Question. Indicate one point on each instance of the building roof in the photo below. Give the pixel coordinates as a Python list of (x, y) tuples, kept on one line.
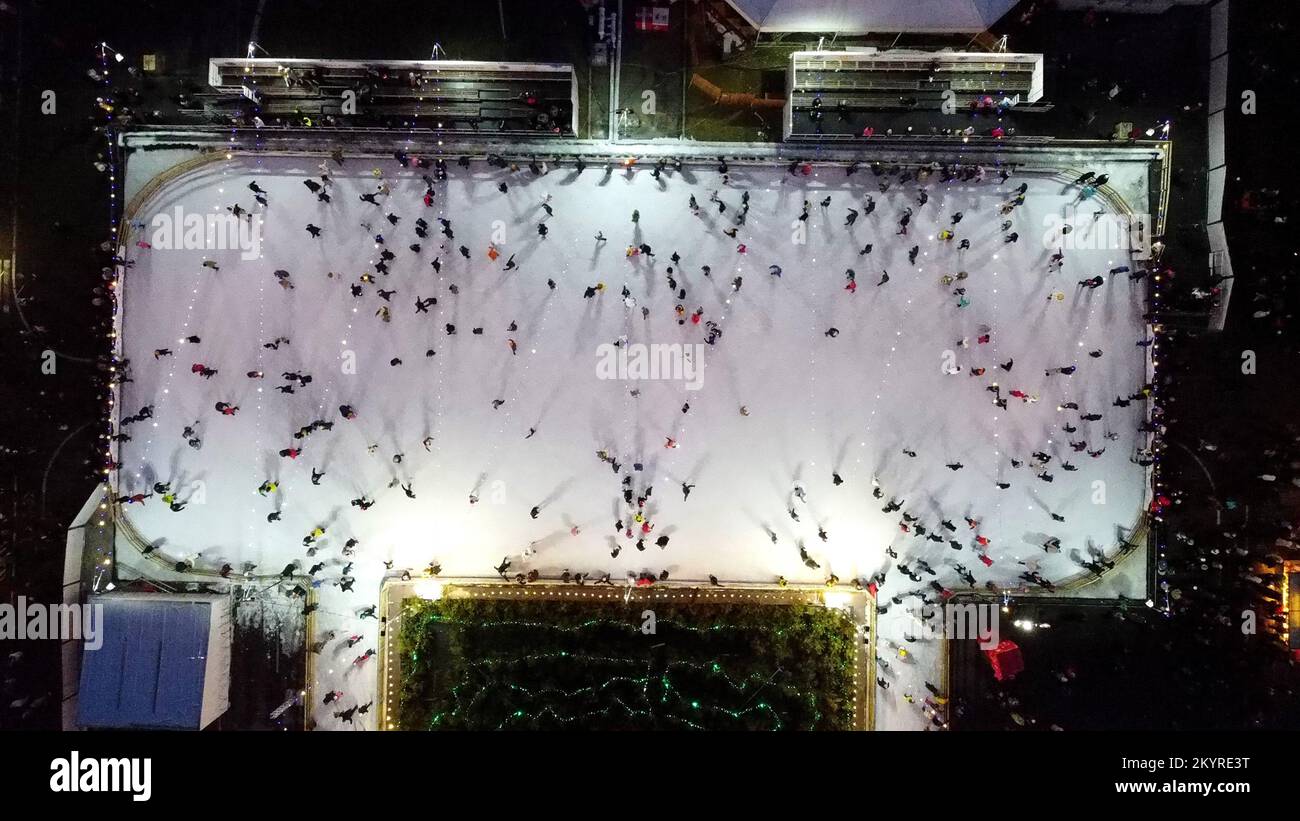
[(150, 671), (861, 16)]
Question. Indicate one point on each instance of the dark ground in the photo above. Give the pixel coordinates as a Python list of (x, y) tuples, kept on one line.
[(268, 663)]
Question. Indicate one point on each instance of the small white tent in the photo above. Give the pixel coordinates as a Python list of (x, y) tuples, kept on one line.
[(865, 16)]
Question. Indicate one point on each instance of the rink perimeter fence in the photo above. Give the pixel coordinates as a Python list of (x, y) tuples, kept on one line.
[(1056, 158)]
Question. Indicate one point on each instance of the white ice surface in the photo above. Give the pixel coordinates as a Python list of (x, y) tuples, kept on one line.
[(816, 404)]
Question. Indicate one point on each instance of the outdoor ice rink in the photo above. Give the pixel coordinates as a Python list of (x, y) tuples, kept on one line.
[(814, 405)]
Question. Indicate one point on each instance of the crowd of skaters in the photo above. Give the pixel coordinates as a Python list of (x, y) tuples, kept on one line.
[(394, 229)]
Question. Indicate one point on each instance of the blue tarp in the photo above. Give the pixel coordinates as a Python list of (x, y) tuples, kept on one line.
[(149, 673)]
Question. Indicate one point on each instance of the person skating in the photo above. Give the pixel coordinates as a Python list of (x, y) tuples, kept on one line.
[(346, 715)]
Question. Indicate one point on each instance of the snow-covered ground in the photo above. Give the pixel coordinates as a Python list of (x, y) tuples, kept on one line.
[(814, 405)]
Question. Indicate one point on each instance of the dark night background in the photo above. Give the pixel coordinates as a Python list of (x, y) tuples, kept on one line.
[(1096, 668)]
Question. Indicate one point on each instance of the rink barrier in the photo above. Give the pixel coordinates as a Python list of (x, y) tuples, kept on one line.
[(214, 155), (151, 188), (766, 155), (602, 151), (378, 142), (198, 575)]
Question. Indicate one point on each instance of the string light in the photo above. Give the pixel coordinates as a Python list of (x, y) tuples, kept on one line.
[(513, 689)]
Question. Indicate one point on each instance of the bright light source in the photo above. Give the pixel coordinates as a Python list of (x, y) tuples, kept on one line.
[(837, 600), (428, 589)]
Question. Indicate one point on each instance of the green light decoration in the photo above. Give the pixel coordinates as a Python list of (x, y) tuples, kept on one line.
[(511, 664)]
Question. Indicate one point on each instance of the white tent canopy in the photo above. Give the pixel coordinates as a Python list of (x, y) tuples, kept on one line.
[(863, 16)]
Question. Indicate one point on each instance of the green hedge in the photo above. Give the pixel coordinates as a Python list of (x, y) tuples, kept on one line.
[(476, 664)]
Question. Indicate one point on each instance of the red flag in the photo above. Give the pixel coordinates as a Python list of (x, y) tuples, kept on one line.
[(1005, 660)]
